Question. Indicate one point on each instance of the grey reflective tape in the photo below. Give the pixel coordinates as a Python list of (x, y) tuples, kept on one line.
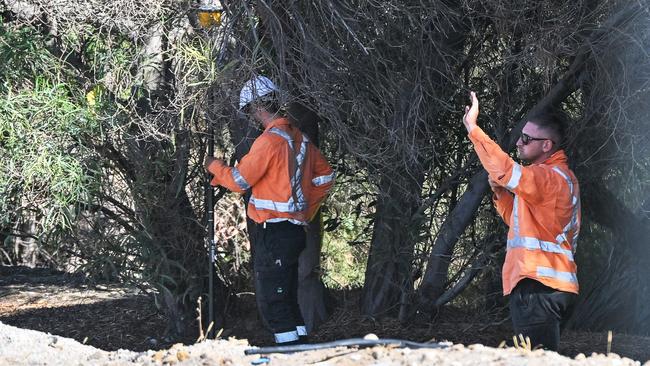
[(281, 219), (302, 330), (565, 231), (296, 180), (301, 198), (241, 182), (515, 177), (289, 206), (272, 205), (558, 275), (284, 337), (576, 226), (323, 179), (515, 216), (283, 134), (303, 152), (573, 223), (536, 244)]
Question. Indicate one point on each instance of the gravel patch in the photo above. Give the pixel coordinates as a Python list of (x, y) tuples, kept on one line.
[(28, 347)]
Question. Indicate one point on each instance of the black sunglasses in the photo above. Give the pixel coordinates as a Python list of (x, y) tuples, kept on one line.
[(525, 139)]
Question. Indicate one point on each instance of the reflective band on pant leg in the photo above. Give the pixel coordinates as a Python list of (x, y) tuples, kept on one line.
[(284, 337), (302, 330)]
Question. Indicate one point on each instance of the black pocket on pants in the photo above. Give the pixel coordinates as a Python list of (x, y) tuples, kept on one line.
[(276, 297)]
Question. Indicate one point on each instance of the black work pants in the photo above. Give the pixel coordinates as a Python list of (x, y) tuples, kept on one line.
[(277, 249), (537, 311)]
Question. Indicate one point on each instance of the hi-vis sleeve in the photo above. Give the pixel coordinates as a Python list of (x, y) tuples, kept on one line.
[(250, 170), (532, 183)]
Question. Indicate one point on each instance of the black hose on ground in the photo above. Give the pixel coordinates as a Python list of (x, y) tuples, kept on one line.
[(352, 342)]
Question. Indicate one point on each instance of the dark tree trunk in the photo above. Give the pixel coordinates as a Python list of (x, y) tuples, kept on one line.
[(170, 225), (388, 280), (435, 277), (174, 229), (388, 284), (25, 247), (311, 290)]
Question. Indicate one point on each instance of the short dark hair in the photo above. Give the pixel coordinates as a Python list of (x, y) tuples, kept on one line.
[(554, 121)]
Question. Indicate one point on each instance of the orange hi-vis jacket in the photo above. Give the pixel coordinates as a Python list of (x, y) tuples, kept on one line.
[(288, 175), (541, 205)]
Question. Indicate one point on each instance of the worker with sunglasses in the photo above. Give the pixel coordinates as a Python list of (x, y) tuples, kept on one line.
[(540, 202)]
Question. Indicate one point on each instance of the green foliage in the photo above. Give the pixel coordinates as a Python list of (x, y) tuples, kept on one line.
[(344, 265), (48, 173), (23, 57), (347, 224), (45, 161), (111, 59)]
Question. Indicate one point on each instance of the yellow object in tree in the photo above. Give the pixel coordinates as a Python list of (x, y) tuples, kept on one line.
[(91, 98), (209, 16), (216, 17)]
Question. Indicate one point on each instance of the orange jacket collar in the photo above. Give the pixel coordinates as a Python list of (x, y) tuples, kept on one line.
[(282, 121), (558, 158)]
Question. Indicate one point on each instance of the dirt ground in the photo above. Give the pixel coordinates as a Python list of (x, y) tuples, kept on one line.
[(111, 317)]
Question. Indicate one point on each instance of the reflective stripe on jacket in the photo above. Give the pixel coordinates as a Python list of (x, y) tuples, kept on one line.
[(541, 205), (288, 175)]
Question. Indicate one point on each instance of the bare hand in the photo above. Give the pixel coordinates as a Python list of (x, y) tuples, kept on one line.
[(471, 113), (209, 160), (493, 184)]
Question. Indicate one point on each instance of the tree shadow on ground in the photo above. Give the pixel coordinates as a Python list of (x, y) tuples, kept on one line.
[(130, 323), (23, 275)]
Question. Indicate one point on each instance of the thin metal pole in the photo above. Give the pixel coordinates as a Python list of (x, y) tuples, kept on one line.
[(210, 197), (209, 210)]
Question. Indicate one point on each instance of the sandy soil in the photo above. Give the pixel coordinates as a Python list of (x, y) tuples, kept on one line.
[(28, 347)]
